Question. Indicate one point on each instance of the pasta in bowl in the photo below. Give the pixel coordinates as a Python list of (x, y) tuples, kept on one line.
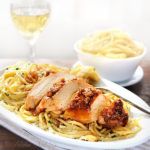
[(111, 48), (112, 44), (39, 94)]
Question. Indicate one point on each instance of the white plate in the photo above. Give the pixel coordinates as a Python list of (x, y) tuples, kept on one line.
[(137, 76), (73, 144)]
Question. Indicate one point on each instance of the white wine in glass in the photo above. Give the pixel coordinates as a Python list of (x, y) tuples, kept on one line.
[(30, 18)]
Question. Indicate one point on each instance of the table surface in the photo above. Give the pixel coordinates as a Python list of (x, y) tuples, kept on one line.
[(10, 141)]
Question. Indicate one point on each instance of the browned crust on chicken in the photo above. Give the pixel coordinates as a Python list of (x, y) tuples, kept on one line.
[(47, 73), (56, 87), (84, 99), (113, 115)]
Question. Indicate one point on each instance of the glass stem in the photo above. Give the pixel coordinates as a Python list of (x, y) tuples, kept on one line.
[(32, 50)]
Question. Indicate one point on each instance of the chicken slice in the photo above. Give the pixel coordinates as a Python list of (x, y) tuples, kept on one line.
[(40, 89), (113, 115), (62, 98), (86, 105)]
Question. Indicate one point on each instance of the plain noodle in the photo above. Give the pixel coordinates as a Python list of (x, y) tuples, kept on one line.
[(112, 44)]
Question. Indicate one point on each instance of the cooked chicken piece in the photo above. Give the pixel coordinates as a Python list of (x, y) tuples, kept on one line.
[(40, 89), (59, 96), (113, 115), (46, 101), (85, 105), (63, 97), (75, 99)]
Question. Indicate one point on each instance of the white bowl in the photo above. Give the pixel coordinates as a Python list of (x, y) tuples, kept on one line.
[(116, 70)]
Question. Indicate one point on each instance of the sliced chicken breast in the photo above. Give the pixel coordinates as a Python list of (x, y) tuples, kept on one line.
[(60, 100), (40, 89), (75, 99), (85, 105)]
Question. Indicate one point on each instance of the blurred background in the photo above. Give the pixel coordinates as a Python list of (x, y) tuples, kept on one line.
[(72, 19)]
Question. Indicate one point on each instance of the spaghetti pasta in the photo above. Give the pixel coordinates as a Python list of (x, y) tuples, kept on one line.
[(112, 44), (18, 80)]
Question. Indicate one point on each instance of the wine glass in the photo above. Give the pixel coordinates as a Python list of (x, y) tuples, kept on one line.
[(30, 18)]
